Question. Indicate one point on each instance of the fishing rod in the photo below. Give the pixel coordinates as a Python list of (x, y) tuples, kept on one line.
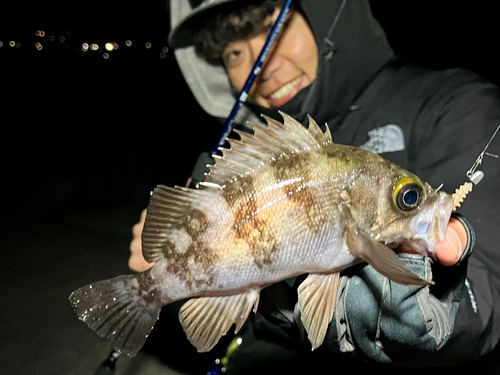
[(109, 364), (257, 67)]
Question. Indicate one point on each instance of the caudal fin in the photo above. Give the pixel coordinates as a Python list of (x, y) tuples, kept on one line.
[(118, 311)]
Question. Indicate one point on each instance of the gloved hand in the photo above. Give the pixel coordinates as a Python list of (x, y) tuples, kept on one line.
[(389, 322)]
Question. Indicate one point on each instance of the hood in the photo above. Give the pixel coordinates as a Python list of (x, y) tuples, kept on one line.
[(352, 49)]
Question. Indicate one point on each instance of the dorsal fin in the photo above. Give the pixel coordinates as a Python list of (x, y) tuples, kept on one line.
[(267, 143), (317, 133)]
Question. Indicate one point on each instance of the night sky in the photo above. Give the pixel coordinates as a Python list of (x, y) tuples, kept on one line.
[(93, 127)]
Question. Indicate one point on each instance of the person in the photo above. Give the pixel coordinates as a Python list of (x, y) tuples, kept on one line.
[(333, 61)]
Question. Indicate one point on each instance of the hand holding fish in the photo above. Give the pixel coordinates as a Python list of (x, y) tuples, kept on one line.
[(448, 252)]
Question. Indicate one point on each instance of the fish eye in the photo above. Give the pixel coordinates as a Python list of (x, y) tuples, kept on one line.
[(408, 194)]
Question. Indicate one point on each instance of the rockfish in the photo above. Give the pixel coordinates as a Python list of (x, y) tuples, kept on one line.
[(280, 202)]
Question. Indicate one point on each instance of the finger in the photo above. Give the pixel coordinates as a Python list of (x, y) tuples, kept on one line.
[(449, 251), (138, 264), (137, 229), (136, 246)]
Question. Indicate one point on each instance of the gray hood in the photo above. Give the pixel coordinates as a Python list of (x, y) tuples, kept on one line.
[(209, 84)]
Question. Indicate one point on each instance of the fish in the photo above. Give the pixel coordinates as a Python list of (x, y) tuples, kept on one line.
[(281, 201)]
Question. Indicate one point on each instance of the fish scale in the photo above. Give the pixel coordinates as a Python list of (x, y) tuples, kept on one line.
[(280, 202)]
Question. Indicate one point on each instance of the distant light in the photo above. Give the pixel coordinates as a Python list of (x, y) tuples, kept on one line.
[(85, 47), (38, 46), (94, 47), (165, 49), (148, 45), (163, 55), (1, 44), (12, 43), (51, 38), (109, 46), (128, 43), (105, 55), (62, 39)]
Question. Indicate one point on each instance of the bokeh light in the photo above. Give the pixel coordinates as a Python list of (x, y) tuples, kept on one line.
[(102, 46)]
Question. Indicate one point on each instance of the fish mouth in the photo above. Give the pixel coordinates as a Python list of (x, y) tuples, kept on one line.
[(429, 226), (285, 92)]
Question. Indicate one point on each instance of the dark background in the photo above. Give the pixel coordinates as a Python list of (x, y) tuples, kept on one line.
[(84, 140)]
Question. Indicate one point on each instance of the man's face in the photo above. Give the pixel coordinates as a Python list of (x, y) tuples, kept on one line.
[(290, 66)]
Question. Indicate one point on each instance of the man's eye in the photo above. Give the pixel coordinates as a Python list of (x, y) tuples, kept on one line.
[(232, 57)]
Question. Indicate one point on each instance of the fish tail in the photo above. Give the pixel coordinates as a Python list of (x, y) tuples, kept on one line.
[(119, 310)]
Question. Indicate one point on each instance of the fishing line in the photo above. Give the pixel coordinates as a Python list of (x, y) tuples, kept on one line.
[(476, 177), (228, 125)]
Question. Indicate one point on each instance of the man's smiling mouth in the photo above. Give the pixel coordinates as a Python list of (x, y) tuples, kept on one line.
[(285, 92)]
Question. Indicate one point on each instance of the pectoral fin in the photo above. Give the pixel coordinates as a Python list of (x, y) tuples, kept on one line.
[(206, 319), (317, 295), (382, 258)]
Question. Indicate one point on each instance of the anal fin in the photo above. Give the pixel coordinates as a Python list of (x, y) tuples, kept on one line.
[(206, 319), (382, 258), (317, 295)]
